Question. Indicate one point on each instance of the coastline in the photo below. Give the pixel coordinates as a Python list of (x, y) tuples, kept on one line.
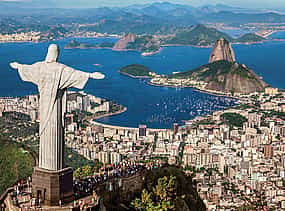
[(215, 94), (269, 33), (181, 45), (233, 43), (109, 48), (68, 48), (142, 53), (111, 114), (197, 90), (152, 52), (133, 76), (92, 118), (267, 39), (126, 128), (251, 43)]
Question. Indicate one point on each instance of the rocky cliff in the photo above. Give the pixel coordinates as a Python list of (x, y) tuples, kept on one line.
[(124, 42), (222, 51), (142, 43), (228, 76), (225, 76)]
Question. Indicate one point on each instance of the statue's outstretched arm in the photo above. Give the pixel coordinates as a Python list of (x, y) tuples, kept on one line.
[(76, 78), (15, 65), (29, 73), (97, 75)]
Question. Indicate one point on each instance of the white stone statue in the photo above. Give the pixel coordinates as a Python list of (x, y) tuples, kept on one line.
[(53, 79)]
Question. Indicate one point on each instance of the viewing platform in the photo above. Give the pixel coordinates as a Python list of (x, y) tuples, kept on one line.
[(91, 193)]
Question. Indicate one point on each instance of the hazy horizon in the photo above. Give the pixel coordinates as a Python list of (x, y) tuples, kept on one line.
[(258, 4)]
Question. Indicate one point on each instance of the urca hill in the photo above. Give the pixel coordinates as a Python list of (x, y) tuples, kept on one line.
[(224, 74)]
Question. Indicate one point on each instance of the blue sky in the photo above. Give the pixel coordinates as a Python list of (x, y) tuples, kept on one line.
[(99, 3)]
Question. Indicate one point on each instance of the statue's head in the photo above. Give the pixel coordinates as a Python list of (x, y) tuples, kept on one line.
[(53, 53)]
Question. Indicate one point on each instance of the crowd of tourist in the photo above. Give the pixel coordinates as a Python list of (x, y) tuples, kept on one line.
[(83, 187), (86, 186)]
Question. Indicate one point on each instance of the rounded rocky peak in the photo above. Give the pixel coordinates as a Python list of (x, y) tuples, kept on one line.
[(223, 40), (222, 51)]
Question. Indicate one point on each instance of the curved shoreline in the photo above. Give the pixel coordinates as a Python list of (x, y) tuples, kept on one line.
[(127, 128), (92, 121), (197, 90), (133, 76), (152, 52), (83, 48), (210, 46), (111, 114)]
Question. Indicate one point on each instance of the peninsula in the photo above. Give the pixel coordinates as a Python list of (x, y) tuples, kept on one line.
[(146, 44), (220, 76), (223, 75)]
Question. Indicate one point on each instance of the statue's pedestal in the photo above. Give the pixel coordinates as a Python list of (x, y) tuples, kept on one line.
[(53, 186)]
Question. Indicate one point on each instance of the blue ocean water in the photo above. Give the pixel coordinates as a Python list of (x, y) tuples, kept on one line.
[(158, 107), (235, 33)]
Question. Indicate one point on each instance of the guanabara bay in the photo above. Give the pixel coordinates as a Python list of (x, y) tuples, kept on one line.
[(142, 105)]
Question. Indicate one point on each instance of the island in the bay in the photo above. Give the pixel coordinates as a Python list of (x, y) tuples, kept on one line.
[(200, 36), (137, 71), (223, 75), (146, 44)]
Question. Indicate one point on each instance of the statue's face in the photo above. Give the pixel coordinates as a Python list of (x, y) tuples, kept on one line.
[(53, 53)]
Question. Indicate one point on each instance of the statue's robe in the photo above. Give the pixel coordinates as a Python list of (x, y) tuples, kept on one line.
[(52, 80)]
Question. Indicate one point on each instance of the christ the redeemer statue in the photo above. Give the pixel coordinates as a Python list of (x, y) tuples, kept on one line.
[(53, 79)]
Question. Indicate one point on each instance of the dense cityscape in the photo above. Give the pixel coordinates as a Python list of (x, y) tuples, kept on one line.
[(235, 156)]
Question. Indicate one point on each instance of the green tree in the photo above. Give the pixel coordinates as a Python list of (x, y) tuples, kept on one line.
[(145, 202), (78, 173), (162, 198), (15, 164), (97, 166), (234, 119), (87, 171)]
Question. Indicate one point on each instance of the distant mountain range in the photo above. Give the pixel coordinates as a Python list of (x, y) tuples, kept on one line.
[(156, 18), (199, 35)]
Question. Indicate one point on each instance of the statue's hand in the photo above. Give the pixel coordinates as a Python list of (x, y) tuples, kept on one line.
[(97, 75), (15, 65)]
